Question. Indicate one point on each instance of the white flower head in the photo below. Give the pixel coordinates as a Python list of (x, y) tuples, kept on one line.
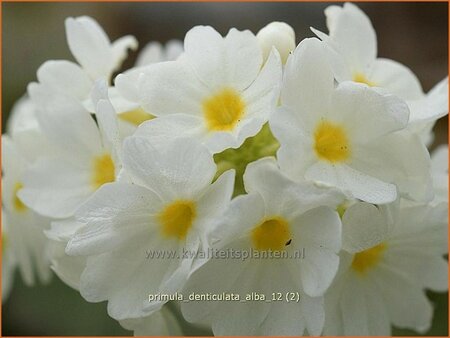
[(218, 91), (169, 206), (87, 155), (279, 35), (277, 215), (391, 254), (349, 136)]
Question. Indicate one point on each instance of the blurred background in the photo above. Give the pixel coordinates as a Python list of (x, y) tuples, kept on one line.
[(415, 34)]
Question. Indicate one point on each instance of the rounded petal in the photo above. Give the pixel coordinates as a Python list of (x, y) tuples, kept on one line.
[(171, 88), (55, 188), (352, 34), (113, 216), (231, 61), (308, 82), (363, 227), (396, 78), (90, 46), (179, 170), (361, 185), (67, 76)]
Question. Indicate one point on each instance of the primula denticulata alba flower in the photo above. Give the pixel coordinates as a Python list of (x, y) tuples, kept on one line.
[(348, 136), (170, 204), (389, 257), (218, 91), (354, 44), (281, 216), (286, 188)]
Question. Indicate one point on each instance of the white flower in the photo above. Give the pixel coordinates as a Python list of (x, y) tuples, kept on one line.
[(170, 205), (279, 35), (216, 92), (86, 155), (283, 217), (349, 136), (354, 42), (390, 256), (160, 323)]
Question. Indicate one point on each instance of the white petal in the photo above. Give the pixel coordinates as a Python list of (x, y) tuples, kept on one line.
[(113, 216), (180, 170), (288, 129), (90, 46), (216, 198), (67, 268), (171, 88), (407, 305), (231, 61), (363, 227), (216, 276), (352, 34), (308, 82), (66, 123), (161, 323), (320, 264), (281, 195), (106, 118), (361, 185), (365, 113), (165, 129), (433, 106), (119, 49), (399, 158), (55, 188), (262, 95), (396, 78), (67, 76)]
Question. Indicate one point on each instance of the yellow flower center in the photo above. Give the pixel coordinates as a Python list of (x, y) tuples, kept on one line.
[(136, 116), (367, 259), (331, 142), (361, 78), (272, 234), (176, 219), (103, 171), (17, 203), (223, 110)]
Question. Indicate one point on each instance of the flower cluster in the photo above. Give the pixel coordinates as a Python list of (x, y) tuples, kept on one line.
[(246, 143)]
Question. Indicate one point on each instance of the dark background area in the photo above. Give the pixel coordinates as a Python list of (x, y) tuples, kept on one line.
[(415, 34)]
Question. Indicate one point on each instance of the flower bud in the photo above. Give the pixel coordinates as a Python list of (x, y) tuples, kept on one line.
[(279, 35)]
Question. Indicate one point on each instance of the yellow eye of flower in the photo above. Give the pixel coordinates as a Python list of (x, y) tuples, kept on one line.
[(136, 116), (361, 78), (17, 203), (223, 110), (272, 234), (367, 259), (103, 171), (177, 218), (331, 142)]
